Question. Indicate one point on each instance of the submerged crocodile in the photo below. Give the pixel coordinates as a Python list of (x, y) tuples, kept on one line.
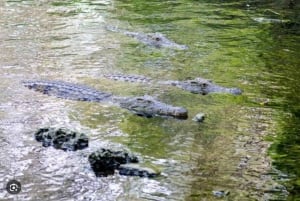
[(145, 106), (157, 40), (198, 85)]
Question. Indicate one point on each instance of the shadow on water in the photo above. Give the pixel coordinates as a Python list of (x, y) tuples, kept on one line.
[(284, 72), (281, 57), (285, 151)]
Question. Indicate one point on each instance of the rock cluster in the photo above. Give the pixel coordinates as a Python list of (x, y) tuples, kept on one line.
[(62, 138), (103, 162)]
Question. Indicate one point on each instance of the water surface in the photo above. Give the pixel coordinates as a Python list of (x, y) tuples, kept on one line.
[(248, 144)]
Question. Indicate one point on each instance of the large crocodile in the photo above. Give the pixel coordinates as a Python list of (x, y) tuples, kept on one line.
[(198, 85), (143, 106), (157, 40)]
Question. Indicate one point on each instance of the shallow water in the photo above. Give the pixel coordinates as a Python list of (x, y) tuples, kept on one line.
[(230, 151)]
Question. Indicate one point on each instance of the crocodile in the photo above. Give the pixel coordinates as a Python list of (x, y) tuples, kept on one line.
[(145, 106), (157, 40), (198, 85)]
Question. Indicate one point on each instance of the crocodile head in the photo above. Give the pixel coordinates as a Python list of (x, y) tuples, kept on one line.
[(147, 106), (159, 40), (204, 86)]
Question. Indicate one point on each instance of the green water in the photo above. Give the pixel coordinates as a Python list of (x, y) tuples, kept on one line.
[(229, 46), (248, 145)]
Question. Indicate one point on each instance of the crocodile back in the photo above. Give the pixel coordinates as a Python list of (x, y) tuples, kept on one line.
[(129, 78), (67, 90)]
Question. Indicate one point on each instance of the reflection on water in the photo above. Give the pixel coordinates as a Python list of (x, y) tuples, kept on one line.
[(67, 40)]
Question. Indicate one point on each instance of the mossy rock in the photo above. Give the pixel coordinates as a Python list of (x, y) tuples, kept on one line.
[(104, 161), (61, 138)]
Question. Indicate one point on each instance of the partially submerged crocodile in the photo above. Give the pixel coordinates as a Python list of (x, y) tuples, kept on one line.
[(198, 85), (143, 106), (157, 40)]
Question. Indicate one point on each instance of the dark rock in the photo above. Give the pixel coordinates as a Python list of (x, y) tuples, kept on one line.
[(61, 138), (137, 170), (104, 162)]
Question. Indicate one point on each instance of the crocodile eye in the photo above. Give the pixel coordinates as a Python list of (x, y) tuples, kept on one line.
[(204, 84), (157, 38)]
